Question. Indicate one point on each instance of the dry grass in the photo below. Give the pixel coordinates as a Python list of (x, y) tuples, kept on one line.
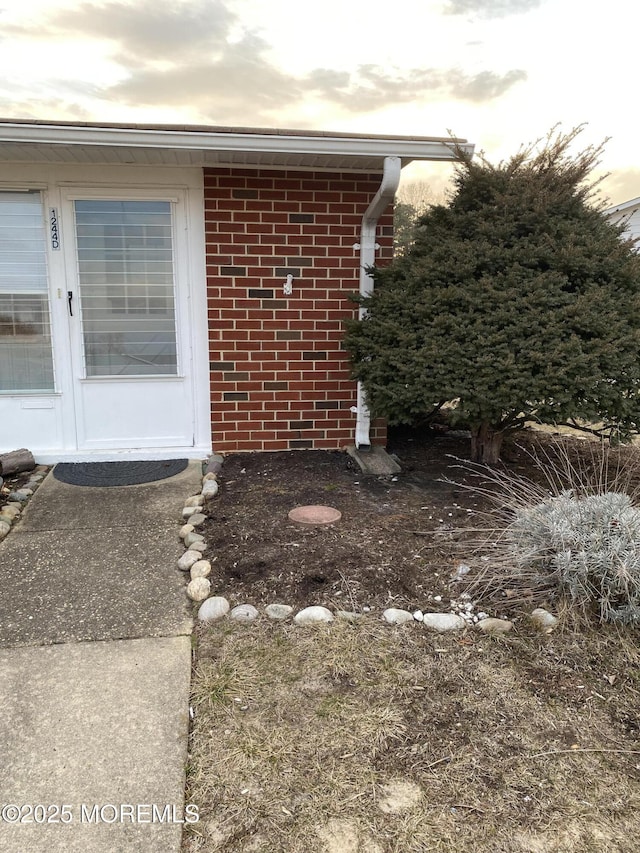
[(367, 739), (517, 544)]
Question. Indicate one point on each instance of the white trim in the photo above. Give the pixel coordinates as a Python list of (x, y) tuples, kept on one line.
[(153, 377), (245, 142), (57, 183), (620, 208), (128, 192), (50, 457), (106, 176), (198, 320), (19, 395)]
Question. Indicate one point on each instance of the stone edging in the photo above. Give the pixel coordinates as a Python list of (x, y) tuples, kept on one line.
[(11, 512), (216, 607)]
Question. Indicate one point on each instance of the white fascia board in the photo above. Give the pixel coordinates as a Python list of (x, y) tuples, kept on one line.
[(620, 208), (405, 148)]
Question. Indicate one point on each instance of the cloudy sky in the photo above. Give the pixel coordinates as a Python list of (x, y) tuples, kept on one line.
[(498, 72)]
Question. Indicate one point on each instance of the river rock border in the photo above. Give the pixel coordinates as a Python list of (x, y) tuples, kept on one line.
[(11, 512), (213, 608)]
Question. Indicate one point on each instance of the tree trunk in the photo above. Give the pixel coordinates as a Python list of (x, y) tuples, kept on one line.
[(485, 444), (16, 461)]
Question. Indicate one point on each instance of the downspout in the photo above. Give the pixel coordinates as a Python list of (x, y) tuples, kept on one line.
[(382, 199)]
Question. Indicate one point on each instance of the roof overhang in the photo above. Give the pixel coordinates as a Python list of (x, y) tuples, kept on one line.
[(173, 145), (625, 207)]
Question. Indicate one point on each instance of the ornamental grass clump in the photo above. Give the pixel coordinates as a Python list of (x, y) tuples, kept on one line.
[(572, 533), (586, 546)]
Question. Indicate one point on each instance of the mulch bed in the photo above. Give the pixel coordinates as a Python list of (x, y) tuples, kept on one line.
[(396, 544)]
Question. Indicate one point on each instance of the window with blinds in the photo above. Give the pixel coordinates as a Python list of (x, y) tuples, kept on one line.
[(26, 359), (126, 278)]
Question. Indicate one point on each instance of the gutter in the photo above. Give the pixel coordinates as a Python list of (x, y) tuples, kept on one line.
[(228, 140), (382, 199), (622, 207)]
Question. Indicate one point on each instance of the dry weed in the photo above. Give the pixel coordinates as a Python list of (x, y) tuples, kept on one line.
[(568, 536)]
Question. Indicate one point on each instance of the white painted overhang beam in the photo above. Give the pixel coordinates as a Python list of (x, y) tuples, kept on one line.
[(230, 142)]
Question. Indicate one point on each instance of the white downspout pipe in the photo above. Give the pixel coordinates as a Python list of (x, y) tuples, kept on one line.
[(382, 199)]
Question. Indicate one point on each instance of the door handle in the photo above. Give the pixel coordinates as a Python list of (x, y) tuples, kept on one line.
[(70, 302)]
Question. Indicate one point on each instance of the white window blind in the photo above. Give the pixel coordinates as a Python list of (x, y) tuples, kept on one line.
[(26, 361), (126, 275)]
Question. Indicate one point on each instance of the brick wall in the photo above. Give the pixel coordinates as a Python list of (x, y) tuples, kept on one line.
[(279, 378)]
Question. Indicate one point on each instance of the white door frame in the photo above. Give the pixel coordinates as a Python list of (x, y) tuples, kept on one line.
[(58, 184), (91, 394)]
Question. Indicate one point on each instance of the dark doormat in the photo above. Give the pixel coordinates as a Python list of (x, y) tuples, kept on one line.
[(117, 473)]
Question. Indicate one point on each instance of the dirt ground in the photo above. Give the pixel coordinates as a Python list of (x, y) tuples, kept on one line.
[(394, 546), (367, 738)]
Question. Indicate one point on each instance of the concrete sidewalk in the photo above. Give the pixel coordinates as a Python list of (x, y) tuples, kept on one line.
[(95, 657)]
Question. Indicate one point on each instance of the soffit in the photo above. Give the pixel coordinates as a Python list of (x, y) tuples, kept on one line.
[(173, 146)]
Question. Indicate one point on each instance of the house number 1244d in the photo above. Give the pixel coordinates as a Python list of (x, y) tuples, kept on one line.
[(53, 227)]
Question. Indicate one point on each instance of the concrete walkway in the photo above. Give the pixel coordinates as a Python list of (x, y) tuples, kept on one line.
[(95, 657)]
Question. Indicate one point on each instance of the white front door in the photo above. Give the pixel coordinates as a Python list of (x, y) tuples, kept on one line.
[(127, 294)]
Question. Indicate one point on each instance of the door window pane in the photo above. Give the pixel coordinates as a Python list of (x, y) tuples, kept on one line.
[(26, 360), (125, 269)]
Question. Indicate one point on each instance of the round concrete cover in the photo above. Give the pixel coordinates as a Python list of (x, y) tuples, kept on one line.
[(315, 515)]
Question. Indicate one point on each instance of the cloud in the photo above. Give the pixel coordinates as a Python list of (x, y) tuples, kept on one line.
[(145, 29), (198, 54), (35, 108), (490, 8), (621, 185), (484, 86), (372, 87), (230, 85), (239, 82)]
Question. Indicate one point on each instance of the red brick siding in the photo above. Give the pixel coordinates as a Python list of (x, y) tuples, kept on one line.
[(279, 379)]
